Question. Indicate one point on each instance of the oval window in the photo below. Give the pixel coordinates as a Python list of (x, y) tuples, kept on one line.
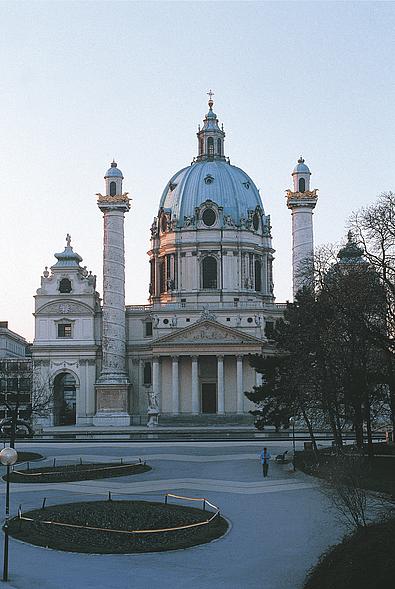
[(255, 221), (209, 217)]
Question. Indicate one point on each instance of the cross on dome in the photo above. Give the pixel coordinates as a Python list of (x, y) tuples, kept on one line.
[(210, 93)]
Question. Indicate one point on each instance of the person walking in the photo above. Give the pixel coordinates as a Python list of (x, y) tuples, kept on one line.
[(265, 457)]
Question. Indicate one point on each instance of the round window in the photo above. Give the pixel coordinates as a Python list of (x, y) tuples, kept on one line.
[(249, 319), (255, 221), (165, 321), (208, 217)]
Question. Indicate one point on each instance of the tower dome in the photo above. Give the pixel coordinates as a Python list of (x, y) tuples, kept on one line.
[(113, 171), (211, 240)]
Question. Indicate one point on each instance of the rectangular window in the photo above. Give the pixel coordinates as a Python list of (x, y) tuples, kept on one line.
[(148, 328), (64, 330), (269, 328)]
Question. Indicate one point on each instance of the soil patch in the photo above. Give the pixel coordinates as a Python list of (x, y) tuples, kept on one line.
[(365, 560), (117, 515), (75, 472)]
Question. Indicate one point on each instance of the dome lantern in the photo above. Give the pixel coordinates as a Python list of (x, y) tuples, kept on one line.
[(301, 176), (113, 178), (210, 137)]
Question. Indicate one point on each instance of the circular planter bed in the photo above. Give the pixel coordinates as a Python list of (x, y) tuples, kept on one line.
[(75, 472), (88, 523), (28, 456)]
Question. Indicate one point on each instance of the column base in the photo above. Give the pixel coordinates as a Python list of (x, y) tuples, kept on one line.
[(112, 405)]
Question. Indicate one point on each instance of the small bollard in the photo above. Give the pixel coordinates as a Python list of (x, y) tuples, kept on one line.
[(109, 496), (54, 462), (80, 461), (19, 519), (44, 501), (165, 499), (121, 460), (27, 466), (204, 505)]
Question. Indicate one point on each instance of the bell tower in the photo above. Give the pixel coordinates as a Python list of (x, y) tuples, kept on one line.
[(301, 201)]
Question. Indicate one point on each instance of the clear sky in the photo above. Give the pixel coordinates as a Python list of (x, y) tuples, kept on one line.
[(83, 82)]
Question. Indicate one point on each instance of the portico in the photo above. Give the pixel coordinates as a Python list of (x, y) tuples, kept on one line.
[(194, 371)]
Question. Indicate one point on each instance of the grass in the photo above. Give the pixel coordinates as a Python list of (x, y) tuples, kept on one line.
[(364, 560), (76, 472), (119, 515)]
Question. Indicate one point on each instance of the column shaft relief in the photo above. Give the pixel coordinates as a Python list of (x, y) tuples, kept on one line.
[(112, 387)]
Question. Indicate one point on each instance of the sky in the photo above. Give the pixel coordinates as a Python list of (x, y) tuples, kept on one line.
[(85, 82)]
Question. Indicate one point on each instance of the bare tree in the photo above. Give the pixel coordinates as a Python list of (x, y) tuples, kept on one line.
[(374, 228), (344, 488), (25, 392)]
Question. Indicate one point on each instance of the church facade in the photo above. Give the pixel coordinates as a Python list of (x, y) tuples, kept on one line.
[(211, 299)]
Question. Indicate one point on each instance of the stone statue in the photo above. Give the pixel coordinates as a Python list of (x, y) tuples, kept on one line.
[(154, 227), (153, 409)]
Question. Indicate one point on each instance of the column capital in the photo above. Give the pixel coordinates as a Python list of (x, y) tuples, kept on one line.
[(220, 357), (175, 358), (194, 358)]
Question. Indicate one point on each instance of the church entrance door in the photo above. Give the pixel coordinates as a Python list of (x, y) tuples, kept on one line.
[(209, 397), (65, 399)]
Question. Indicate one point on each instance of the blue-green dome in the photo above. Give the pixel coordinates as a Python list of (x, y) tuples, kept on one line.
[(226, 185)]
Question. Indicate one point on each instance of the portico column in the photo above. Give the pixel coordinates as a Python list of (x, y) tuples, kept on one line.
[(195, 386), (258, 379), (156, 379), (221, 389), (175, 386), (239, 383)]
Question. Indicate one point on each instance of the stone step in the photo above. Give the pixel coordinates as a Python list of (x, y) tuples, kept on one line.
[(206, 419)]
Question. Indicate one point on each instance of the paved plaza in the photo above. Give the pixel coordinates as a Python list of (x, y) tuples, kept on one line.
[(279, 526)]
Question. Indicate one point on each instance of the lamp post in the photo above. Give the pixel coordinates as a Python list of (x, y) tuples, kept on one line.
[(292, 422), (8, 457)]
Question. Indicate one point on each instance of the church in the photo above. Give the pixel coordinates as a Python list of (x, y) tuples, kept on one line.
[(211, 300)]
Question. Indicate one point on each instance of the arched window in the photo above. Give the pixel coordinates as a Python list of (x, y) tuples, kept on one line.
[(219, 147), (258, 276), (201, 146), (65, 285), (302, 184), (210, 146), (113, 188), (209, 272)]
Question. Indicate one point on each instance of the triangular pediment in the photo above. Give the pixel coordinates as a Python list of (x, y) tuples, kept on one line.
[(207, 332)]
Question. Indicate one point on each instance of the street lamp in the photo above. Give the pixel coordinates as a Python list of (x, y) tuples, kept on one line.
[(292, 422), (8, 457)]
